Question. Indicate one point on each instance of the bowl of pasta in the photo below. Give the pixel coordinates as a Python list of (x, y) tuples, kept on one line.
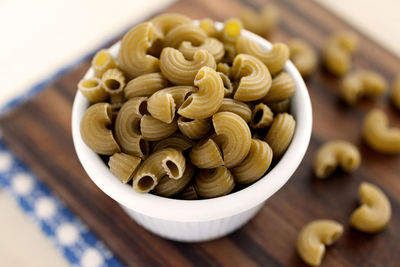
[(191, 125)]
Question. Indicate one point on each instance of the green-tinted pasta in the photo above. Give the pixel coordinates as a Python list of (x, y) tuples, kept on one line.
[(334, 154), (212, 45), (375, 211), (127, 128), (282, 88), (303, 56), (163, 104), (261, 116), (338, 50), (94, 129), (274, 59), (280, 106), (93, 90), (281, 133), (185, 32), (210, 183), (113, 81), (228, 87), (123, 166), (132, 56), (189, 193), (208, 26), (194, 129), (237, 137), (206, 154), (314, 237), (255, 79), (208, 99), (145, 85), (379, 135), (154, 130), (237, 107), (255, 164), (177, 141), (166, 162), (168, 187), (261, 23), (362, 83), (102, 61), (181, 71)]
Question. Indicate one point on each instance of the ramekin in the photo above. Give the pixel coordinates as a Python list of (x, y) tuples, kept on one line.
[(206, 219)]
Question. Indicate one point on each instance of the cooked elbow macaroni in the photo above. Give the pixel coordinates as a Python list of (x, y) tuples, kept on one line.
[(261, 23), (333, 154), (379, 135), (375, 211), (314, 237), (360, 83), (172, 113)]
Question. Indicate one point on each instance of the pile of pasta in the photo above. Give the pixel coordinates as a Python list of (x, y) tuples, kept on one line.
[(188, 111)]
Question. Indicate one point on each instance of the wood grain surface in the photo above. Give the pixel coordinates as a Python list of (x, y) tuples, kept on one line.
[(39, 132)]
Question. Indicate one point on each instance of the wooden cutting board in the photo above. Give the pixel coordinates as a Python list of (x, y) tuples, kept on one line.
[(39, 132)]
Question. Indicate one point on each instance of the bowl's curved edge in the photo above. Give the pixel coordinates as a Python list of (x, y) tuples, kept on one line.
[(201, 210)]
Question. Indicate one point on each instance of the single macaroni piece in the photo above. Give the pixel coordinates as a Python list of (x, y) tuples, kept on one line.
[(303, 56), (395, 94), (281, 133), (166, 162), (314, 237), (163, 104), (333, 154), (127, 127), (360, 83), (261, 117), (194, 129), (145, 85), (379, 135), (261, 23), (206, 154), (189, 193), (208, 99), (212, 45), (185, 32), (94, 129), (228, 86), (154, 130), (165, 22), (231, 30), (280, 106), (101, 62), (123, 166), (375, 211), (181, 71), (132, 56), (255, 79), (93, 90), (282, 88), (114, 82), (224, 68), (177, 141), (210, 183), (338, 50), (168, 187), (255, 164), (236, 137), (274, 59), (237, 107), (208, 26)]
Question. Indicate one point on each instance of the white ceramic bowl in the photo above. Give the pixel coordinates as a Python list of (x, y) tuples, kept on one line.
[(199, 220)]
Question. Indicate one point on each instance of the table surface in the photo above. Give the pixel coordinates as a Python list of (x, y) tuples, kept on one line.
[(269, 238)]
